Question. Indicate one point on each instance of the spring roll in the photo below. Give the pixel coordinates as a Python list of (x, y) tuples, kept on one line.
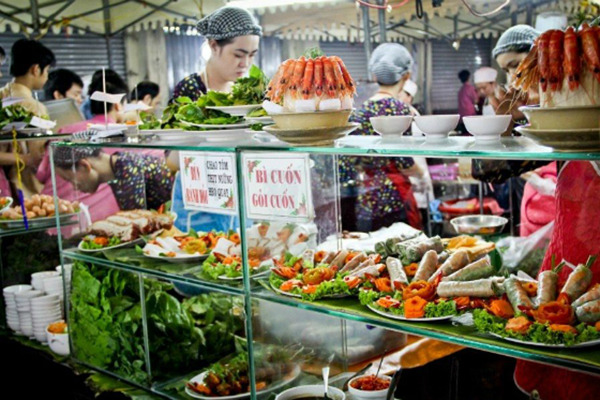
[(401, 247), (340, 258), (477, 270), (382, 249), (443, 257), (354, 263), (415, 252), (591, 295), (516, 294), (457, 260), (589, 312), (396, 271), (328, 258), (371, 269), (547, 287), (427, 266), (478, 288), (578, 282)]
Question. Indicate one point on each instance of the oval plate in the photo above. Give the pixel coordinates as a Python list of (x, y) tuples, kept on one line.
[(222, 126), (239, 278), (236, 111), (400, 318), (550, 346), (46, 222), (335, 296), (179, 258), (120, 245), (199, 378)]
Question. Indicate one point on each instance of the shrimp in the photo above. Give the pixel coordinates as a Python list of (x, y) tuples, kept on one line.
[(339, 77), (275, 82), (330, 86), (528, 71), (543, 58), (307, 80), (572, 60), (555, 71), (298, 74), (591, 50), (347, 78), (318, 76)]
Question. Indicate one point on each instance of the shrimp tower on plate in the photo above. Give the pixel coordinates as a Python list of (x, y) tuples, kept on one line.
[(565, 65), (306, 84)]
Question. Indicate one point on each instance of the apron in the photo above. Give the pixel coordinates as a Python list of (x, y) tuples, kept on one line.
[(575, 237), (487, 109)]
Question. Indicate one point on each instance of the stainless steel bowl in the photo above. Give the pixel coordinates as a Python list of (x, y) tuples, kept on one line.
[(479, 224)]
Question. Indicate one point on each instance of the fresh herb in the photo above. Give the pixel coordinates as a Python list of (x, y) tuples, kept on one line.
[(90, 243), (257, 127), (148, 121), (313, 52), (14, 113), (258, 113), (251, 89)]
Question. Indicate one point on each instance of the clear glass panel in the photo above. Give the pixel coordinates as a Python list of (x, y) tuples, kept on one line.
[(106, 321)]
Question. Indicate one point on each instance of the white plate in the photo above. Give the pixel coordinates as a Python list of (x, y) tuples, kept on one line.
[(179, 258), (223, 135), (236, 111), (214, 126), (335, 296), (239, 278), (121, 245), (550, 346), (400, 318), (10, 201), (49, 222), (176, 135), (261, 120), (200, 378)]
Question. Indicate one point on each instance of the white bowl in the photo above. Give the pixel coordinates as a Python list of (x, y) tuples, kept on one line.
[(487, 127), (55, 282), (366, 394), (44, 275), (48, 299), (40, 337), (45, 306), (437, 126), (311, 391), (12, 290), (391, 125), (59, 343), (68, 268), (27, 295), (43, 317)]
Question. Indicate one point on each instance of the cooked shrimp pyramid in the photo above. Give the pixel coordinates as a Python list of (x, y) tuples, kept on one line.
[(566, 65), (322, 83)]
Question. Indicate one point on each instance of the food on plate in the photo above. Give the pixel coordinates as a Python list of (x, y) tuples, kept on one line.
[(15, 113), (308, 84), (415, 251), (398, 276), (518, 325), (4, 201), (478, 288), (478, 270), (125, 226), (427, 267), (58, 328), (565, 65), (589, 312), (516, 294), (40, 206), (456, 261), (579, 279), (192, 244), (474, 247), (590, 295), (500, 308), (370, 383)]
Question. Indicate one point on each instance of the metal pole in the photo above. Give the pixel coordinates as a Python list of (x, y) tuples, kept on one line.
[(426, 76), (35, 16), (107, 31), (367, 37), (382, 36)]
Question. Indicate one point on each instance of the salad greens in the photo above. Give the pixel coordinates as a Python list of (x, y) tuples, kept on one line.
[(90, 243), (442, 308), (250, 89), (538, 333), (148, 121), (106, 324), (14, 113), (258, 113)]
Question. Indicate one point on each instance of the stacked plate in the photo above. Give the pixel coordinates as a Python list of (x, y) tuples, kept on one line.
[(45, 310), (37, 278), (54, 286), (12, 313), (23, 300)]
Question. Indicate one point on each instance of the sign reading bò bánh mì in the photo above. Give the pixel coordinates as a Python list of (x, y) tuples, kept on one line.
[(277, 186), (209, 182)]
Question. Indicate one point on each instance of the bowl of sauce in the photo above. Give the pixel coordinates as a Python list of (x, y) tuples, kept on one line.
[(369, 387)]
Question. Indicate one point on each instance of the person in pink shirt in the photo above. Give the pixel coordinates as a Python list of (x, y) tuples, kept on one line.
[(467, 95)]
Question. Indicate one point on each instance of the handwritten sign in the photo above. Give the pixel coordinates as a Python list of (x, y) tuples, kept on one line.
[(277, 186), (209, 182)]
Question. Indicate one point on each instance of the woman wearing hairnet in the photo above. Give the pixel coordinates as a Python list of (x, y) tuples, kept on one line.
[(375, 191), (575, 236)]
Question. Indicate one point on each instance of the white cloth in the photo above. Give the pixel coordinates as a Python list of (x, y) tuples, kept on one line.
[(485, 74), (411, 88), (488, 110)]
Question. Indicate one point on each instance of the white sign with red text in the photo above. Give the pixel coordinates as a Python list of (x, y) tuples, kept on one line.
[(209, 182), (277, 186)]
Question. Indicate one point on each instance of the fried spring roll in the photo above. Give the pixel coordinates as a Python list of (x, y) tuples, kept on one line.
[(578, 282), (396, 271), (516, 294), (427, 266), (457, 260), (477, 270), (547, 287), (589, 312), (591, 295), (478, 288)]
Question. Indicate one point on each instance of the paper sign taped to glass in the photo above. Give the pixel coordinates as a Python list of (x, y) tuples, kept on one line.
[(278, 187)]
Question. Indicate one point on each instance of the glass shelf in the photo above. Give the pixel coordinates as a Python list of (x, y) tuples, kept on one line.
[(173, 275), (7, 137), (124, 143), (582, 360), (23, 231)]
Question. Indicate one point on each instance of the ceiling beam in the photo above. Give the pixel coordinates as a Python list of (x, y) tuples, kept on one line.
[(154, 10), (39, 7), (167, 10), (62, 8)]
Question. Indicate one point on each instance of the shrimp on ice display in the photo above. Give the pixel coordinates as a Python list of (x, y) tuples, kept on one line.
[(304, 84), (565, 66)]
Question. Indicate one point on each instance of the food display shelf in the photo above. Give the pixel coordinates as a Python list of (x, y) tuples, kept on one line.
[(584, 359), (7, 137), (215, 287), (23, 231)]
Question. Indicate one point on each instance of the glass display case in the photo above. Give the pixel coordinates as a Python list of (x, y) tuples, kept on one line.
[(204, 261)]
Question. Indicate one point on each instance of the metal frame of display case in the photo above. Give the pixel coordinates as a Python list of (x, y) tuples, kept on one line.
[(508, 148)]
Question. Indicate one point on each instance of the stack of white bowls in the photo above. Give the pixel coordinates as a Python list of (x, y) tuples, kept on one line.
[(23, 300), (37, 279), (44, 311), (12, 313)]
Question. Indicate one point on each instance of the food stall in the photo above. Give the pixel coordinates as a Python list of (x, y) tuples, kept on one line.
[(226, 272)]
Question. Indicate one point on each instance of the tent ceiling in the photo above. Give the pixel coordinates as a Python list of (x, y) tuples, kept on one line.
[(327, 20)]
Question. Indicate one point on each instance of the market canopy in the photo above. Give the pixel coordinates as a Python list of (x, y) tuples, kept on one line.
[(290, 19)]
